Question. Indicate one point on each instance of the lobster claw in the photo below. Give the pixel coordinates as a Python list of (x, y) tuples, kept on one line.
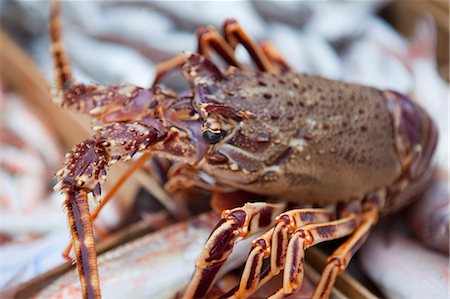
[(135, 108)]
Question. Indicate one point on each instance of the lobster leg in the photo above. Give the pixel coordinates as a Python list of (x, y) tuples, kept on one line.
[(63, 73), (182, 177), (84, 170), (108, 104), (272, 245), (136, 165), (285, 244), (83, 240), (105, 103), (209, 39), (235, 225), (234, 35), (339, 260), (165, 67), (274, 56), (304, 238)]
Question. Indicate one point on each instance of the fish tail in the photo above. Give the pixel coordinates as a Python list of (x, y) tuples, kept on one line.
[(423, 41)]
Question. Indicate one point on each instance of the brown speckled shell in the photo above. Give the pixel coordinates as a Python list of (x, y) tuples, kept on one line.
[(309, 140)]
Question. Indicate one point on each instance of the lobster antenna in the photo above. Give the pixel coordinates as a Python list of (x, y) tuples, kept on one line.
[(61, 65)]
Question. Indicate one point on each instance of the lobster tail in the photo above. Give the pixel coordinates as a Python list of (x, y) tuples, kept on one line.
[(416, 138), (416, 134), (83, 239)]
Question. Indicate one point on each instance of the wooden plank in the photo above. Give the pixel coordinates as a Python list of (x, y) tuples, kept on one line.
[(31, 287), (404, 14), (441, 4)]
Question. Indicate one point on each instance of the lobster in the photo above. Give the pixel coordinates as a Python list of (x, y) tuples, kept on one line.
[(284, 137)]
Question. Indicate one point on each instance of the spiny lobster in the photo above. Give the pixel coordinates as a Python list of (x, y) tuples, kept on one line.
[(284, 136)]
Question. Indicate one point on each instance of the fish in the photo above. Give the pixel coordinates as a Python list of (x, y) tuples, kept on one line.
[(402, 267)]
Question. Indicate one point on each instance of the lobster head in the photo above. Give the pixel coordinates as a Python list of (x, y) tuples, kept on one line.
[(219, 115), (187, 127), (233, 124), (197, 121)]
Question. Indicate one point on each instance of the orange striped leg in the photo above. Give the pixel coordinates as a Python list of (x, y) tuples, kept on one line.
[(304, 238), (167, 66), (339, 260), (272, 245), (234, 35), (235, 225), (275, 56), (83, 240), (209, 40), (285, 245), (100, 102), (63, 72), (136, 165), (85, 169)]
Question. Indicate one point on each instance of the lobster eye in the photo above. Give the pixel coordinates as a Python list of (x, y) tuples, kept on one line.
[(212, 137)]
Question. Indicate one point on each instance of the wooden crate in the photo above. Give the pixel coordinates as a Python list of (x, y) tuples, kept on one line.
[(404, 14)]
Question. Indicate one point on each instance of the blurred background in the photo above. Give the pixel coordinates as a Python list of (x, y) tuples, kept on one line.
[(398, 45)]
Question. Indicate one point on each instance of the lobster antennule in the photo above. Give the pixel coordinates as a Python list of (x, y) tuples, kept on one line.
[(63, 73), (105, 103), (84, 171), (83, 239)]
